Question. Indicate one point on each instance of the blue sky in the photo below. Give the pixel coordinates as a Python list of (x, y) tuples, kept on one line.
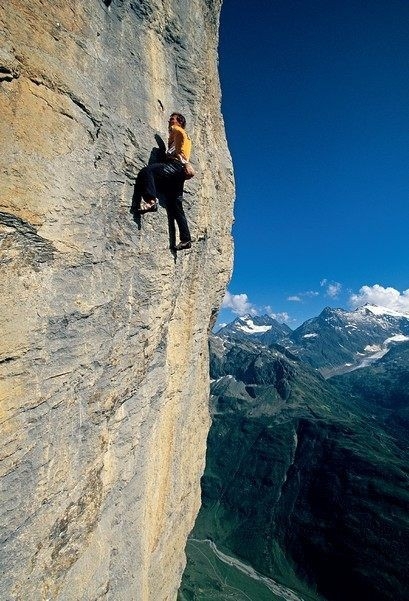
[(316, 108)]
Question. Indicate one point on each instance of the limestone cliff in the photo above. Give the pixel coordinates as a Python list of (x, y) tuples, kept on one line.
[(103, 348)]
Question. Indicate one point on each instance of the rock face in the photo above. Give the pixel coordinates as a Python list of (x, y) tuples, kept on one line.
[(103, 354)]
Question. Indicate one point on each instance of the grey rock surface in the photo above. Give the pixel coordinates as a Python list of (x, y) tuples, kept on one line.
[(104, 380)]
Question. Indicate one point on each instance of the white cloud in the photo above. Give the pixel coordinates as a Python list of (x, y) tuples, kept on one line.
[(298, 298), (332, 288), (281, 317), (238, 303), (384, 297)]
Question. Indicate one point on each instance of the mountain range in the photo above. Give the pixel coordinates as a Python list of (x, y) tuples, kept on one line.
[(306, 480), (337, 341)]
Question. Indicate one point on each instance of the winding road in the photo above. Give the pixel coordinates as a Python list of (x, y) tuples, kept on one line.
[(276, 588)]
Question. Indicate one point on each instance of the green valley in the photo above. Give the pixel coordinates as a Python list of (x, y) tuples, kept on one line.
[(306, 479)]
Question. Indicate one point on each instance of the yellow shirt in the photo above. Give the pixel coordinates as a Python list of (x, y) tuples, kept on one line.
[(179, 143)]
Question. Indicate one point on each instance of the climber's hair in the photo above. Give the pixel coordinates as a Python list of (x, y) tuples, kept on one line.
[(180, 119)]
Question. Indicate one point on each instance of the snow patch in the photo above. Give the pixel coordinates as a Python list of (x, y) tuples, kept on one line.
[(397, 338), (249, 327), (377, 310), (372, 348), (377, 351), (376, 348)]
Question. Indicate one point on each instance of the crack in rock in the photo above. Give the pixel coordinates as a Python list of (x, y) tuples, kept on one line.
[(27, 235), (7, 74)]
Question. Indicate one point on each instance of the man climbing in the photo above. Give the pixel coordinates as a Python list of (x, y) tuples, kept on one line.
[(170, 177)]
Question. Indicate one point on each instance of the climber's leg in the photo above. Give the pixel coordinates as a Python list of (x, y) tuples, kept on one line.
[(180, 218)]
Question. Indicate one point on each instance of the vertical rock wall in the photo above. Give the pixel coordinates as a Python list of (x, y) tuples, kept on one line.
[(103, 347)]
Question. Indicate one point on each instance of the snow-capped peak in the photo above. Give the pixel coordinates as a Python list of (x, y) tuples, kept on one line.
[(378, 310), (248, 326)]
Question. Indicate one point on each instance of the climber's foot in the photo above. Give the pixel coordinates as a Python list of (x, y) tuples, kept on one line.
[(148, 205), (183, 245)]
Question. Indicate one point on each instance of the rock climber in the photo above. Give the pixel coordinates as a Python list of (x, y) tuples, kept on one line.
[(169, 176)]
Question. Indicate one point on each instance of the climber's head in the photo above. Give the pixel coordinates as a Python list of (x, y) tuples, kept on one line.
[(177, 119)]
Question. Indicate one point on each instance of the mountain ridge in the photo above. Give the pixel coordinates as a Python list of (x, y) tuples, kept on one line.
[(334, 342)]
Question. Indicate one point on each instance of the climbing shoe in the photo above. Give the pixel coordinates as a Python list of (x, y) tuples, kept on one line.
[(147, 207), (183, 245)]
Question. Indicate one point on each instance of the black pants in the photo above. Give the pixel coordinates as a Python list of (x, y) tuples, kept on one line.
[(168, 178)]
